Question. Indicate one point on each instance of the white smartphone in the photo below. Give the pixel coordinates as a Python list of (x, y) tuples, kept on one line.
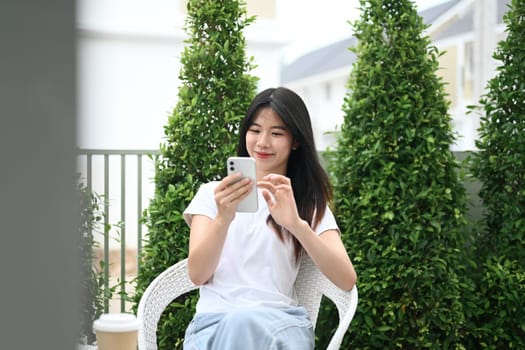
[(246, 166)]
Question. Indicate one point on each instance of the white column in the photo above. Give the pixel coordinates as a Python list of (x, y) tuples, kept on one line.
[(485, 23)]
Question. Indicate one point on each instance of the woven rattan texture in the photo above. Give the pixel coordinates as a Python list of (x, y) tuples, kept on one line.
[(310, 286)]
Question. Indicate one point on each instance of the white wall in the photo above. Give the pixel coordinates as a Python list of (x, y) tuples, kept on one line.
[(129, 61), (324, 96), (127, 88)]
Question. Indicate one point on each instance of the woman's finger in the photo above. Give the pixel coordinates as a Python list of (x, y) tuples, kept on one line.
[(229, 181), (277, 179), (266, 185), (238, 190)]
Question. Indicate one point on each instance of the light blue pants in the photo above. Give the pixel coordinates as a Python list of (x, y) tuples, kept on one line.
[(251, 329)]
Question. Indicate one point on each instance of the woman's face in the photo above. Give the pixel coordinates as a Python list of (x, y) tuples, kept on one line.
[(269, 142)]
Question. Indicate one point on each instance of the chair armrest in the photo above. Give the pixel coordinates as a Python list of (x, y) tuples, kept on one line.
[(170, 284), (346, 303)]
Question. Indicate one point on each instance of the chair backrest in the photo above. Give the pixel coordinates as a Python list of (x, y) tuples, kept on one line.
[(310, 286)]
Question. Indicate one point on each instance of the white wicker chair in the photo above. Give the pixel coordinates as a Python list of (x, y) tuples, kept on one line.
[(310, 286)]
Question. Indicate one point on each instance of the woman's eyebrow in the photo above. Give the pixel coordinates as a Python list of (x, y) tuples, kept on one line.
[(280, 127)]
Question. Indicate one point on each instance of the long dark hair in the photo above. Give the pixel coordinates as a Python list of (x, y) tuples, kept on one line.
[(310, 183)]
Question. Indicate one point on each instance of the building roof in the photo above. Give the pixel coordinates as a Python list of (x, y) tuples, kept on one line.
[(338, 55), (431, 14), (465, 24), (325, 59)]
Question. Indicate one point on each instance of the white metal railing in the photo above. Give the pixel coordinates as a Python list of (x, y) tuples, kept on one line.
[(124, 180)]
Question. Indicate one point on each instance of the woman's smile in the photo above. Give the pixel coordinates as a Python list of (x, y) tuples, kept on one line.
[(262, 155)]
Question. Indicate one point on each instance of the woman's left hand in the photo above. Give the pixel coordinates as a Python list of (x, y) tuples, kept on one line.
[(326, 250), (278, 193)]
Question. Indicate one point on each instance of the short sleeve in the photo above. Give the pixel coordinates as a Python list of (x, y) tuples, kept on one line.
[(327, 222), (203, 203)]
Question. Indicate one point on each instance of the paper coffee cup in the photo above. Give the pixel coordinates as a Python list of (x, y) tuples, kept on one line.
[(116, 331)]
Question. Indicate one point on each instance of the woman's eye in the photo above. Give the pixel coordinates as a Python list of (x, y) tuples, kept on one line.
[(277, 134), (255, 131)]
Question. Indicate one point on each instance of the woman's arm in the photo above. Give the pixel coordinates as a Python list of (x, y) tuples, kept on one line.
[(326, 250), (207, 238), (328, 253), (207, 235)]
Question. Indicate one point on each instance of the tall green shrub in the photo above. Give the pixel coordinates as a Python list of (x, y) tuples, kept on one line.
[(399, 198), (200, 134), (499, 164)]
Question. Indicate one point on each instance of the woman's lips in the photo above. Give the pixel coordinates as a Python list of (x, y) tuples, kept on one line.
[(263, 155)]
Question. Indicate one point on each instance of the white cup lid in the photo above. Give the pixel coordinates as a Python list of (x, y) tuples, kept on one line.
[(116, 322)]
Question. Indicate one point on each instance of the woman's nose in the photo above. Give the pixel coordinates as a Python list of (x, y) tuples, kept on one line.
[(263, 140)]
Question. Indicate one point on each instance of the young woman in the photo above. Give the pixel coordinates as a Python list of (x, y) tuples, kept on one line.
[(246, 263)]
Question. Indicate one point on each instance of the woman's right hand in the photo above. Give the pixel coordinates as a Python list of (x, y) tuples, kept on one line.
[(229, 192), (207, 235)]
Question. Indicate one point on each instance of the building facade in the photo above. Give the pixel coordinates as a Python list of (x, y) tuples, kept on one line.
[(466, 31)]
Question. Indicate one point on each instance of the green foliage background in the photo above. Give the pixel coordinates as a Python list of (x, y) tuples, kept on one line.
[(400, 202), (92, 281), (200, 134), (499, 163)]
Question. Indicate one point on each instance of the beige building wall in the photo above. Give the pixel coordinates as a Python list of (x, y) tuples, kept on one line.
[(261, 8), (448, 67), (467, 73)]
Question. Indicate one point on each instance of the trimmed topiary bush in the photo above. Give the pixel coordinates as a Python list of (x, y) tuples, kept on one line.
[(201, 133), (499, 164), (399, 197)]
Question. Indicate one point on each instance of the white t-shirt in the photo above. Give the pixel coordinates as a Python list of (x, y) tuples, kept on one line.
[(255, 268)]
